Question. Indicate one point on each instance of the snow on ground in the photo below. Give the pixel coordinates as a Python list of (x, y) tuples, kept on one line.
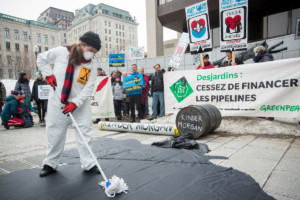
[(244, 125)]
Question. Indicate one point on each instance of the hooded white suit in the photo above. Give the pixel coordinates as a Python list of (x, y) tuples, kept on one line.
[(57, 123)]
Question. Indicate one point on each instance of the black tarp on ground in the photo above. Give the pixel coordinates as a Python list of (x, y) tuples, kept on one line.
[(150, 172)]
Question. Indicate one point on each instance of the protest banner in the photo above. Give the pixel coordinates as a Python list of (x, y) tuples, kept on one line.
[(44, 92), (198, 26), (133, 82), (233, 25), (269, 89), (117, 60), (102, 99), (136, 53), (179, 51)]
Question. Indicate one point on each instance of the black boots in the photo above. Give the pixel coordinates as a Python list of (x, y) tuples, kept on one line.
[(93, 170), (47, 170)]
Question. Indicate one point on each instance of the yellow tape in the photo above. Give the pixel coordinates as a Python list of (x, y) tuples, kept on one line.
[(176, 131)]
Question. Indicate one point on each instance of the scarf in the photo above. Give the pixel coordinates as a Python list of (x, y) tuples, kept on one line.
[(66, 90)]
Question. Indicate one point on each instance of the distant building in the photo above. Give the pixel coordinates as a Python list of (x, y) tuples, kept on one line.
[(116, 28), (17, 39)]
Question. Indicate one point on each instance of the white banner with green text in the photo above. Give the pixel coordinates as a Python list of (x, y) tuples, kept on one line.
[(270, 89)]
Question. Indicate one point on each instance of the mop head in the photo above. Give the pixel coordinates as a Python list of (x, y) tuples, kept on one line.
[(114, 186)]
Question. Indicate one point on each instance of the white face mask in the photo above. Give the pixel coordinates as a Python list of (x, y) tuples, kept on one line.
[(88, 55)]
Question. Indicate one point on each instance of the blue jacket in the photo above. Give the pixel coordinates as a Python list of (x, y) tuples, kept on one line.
[(10, 108), (136, 91)]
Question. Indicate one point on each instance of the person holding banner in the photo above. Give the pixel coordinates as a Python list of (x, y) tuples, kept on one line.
[(228, 60), (73, 78), (41, 103), (262, 55), (207, 64)]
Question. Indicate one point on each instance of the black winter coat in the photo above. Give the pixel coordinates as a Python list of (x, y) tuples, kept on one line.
[(157, 82), (36, 83), (226, 63)]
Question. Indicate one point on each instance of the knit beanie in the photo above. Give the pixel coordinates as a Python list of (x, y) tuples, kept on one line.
[(92, 39), (118, 76), (14, 92)]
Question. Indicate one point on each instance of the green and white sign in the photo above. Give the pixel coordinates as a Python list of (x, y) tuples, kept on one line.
[(44, 91), (181, 89)]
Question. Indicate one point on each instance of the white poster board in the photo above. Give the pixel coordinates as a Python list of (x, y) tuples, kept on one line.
[(179, 51), (102, 100), (136, 53), (234, 25), (258, 89), (44, 92), (198, 26)]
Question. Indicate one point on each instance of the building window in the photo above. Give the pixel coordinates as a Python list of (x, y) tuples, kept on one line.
[(45, 39), (110, 39), (46, 48), (8, 60), (10, 74), (6, 32), (109, 32), (16, 34), (25, 36), (119, 26), (39, 38), (106, 53), (108, 24), (105, 30), (106, 46), (105, 38), (25, 47), (117, 40), (116, 25), (7, 46), (122, 27), (117, 47), (105, 23), (109, 46), (120, 34), (123, 34), (52, 40), (116, 33), (65, 35), (18, 60), (17, 47)]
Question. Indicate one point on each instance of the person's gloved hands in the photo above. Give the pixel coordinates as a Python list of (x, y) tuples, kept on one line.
[(69, 108), (51, 81), (19, 110)]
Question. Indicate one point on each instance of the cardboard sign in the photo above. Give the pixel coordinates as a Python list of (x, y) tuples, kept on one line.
[(133, 82), (44, 92), (136, 53), (234, 24), (198, 26), (84, 75), (117, 60), (179, 50)]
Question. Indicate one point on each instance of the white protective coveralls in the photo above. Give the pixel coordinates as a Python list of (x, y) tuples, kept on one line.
[(57, 123)]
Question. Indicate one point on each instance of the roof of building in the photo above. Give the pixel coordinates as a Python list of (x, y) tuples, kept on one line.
[(25, 21), (106, 9)]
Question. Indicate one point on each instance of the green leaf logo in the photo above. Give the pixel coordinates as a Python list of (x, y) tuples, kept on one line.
[(181, 89)]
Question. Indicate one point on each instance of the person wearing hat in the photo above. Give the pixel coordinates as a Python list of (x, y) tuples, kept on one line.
[(23, 84), (228, 60), (207, 64), (73, 77), (100, 72), (10, 110), (118, 93)]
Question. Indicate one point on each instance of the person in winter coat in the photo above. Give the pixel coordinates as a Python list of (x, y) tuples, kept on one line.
[(2, 96), (145, 109), (10, 110), (118, 93), (25, 113), (23, 84), (127, 100), (41, 103), (157, 92), (73, 77), (228, 60), (207, 64), (28, 105), (262, 55)]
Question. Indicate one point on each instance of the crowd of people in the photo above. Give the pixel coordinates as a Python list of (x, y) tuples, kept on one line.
[(17, 107)]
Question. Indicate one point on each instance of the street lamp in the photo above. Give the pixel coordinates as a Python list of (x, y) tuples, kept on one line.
[(36, 50)]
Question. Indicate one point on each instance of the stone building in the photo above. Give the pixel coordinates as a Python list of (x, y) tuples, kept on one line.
[(18, 37), (116, 27)]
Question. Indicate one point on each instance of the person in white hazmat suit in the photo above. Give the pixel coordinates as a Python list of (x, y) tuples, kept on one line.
[(73, 76)]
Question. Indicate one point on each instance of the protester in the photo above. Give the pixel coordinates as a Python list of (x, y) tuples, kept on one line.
[(103, 73), (10, 110), (118, 93), (113, 77), (100, 72), (157, 90), (27, 103), (23, 84), (207, 64), (24, 113), (135, 97), (73, 77), (41, 103), (145, 109), (228, 61), (126, 102), (2, 96), (262, 55)]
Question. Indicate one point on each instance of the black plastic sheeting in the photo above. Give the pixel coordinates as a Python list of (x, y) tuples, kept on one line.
[(150, 172)]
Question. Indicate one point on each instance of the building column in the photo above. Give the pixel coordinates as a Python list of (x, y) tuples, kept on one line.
[(155, 43)]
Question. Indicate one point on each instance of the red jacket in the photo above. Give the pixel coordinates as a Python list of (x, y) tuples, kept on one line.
[(207, 65)]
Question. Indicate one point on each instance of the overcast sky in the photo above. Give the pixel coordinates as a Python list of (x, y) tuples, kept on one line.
[(31, 9)]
